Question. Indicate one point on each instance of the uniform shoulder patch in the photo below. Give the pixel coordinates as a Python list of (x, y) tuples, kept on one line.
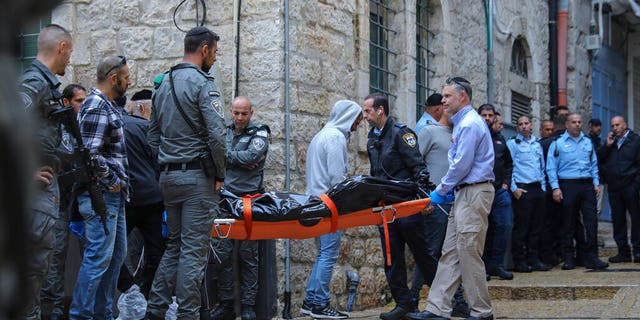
[(262, 133), (214, 93), (217, 107), (399, 125), (259, 144), (409, 139)]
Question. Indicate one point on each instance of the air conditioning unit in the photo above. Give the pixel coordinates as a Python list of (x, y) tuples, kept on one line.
[(593, 42)]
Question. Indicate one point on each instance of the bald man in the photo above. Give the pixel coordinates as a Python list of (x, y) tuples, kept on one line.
[(620, 159), (40, 95)]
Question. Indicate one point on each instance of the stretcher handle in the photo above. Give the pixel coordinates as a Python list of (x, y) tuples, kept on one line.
[(218, 222)]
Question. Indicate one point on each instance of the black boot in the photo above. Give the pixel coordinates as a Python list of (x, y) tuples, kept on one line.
[(247, 312), (224, 311), (624, 255)]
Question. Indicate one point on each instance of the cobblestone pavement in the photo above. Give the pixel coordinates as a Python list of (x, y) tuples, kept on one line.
[(613, 293)]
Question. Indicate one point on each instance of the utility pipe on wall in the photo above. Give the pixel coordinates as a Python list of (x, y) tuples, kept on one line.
[(490, 55), (563, 15)]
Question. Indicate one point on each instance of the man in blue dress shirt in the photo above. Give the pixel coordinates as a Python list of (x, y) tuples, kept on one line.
[(572, 168), (470, 173)]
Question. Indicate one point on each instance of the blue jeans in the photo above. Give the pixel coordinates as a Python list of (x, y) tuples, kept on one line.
[(318, 286), (103, 256), (499, 232)]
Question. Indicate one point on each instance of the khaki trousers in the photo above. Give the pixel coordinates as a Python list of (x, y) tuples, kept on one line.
[(461, 259)]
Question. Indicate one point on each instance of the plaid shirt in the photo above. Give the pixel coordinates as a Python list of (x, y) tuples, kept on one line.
[(102, 131)]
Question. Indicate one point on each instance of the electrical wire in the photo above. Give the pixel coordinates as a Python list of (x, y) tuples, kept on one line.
[(199, 22)]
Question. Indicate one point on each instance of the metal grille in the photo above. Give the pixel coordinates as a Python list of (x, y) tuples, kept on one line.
[(520, 106), (379, 47), (29, 41), (423, 56)]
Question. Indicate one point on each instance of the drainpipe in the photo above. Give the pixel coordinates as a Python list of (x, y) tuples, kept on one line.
[(236, 39), (563, 14), (286, 310), (553, 53), (490, 56)]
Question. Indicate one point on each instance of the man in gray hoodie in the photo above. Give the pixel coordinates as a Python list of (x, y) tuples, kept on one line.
[(326, 166)]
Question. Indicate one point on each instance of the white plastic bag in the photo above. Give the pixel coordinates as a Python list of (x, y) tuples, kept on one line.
[(172, 312), (132, 304)]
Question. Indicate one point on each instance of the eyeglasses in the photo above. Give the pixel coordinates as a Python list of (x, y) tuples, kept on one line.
[(460, 82), (123, 61)]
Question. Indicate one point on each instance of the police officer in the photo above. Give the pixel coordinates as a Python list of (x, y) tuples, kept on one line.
[(500, 219), (247, 146), (187, 129), (528, 188), (52, 293), (572, 168), (40, 95), (394, 154)]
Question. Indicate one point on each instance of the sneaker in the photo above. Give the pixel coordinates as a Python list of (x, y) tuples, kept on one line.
[(328, 312), (306, 308)]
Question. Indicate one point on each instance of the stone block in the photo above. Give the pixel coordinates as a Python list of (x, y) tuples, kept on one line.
[(95, 16), (168, 43), (261, 35), (63, 15), (126, 13), (336, 19), (136, 42), (355, 250), (265, 65), (81, 54), (104, 43)]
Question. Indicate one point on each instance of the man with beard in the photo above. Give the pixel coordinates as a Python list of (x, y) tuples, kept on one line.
[(40, 95), (188, 133), (103, 134)]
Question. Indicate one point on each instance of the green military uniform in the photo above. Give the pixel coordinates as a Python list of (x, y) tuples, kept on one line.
[(247, 148), (40, 95), (189, 195)]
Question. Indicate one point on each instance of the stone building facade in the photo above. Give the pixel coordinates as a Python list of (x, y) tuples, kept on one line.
[(330, 45)]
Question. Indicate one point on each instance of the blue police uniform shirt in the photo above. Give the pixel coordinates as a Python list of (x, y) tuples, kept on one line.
[(471, 156), (424, 120), (528, 161), (574, 159)]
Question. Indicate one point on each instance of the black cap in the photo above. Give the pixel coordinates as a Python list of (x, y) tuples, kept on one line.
[(434, 100), (144, 94), (595, 122)]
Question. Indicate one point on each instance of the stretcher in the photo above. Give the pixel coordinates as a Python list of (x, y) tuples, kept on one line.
[(248, 229)]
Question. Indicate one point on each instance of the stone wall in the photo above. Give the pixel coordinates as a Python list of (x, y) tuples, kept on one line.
[(329, 61)]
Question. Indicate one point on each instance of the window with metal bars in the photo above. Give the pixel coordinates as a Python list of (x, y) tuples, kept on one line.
[(520, 106), (519, 58), (423, 56), (29, 41), (379, 47)]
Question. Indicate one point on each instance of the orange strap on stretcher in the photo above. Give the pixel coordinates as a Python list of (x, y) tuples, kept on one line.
[(247, 213), (385, 229), (334, 211)]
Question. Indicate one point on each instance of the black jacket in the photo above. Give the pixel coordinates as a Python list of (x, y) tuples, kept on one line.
[(621, 167), (395, 154), (143, 168), (503, 167)]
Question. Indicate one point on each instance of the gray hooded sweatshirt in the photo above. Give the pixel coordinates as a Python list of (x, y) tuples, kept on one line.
[(327, 153)]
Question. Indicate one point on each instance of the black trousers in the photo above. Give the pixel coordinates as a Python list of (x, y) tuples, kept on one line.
[(579, 205), (409, 231), (148, 219), (621, 201), (528, 222)]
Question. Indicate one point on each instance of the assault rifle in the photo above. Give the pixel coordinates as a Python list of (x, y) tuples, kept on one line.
[(86, 169)]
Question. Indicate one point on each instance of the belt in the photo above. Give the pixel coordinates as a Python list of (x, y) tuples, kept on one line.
[(529, 185), (582, 180), (193, 165), (464, 185)]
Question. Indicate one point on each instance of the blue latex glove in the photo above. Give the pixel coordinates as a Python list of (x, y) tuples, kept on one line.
[(449, 197), (436, 198), (165, 229), (77, 228)]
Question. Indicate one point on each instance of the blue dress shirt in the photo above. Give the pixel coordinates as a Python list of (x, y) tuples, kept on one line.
[(528, 161), (471, 155), (575, 159)]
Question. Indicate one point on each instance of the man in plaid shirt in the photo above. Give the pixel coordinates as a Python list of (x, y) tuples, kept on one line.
[(102, 131)]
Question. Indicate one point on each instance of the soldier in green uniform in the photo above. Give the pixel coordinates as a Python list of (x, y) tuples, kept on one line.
[(188, 132), (40, 95), (247, 146)]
